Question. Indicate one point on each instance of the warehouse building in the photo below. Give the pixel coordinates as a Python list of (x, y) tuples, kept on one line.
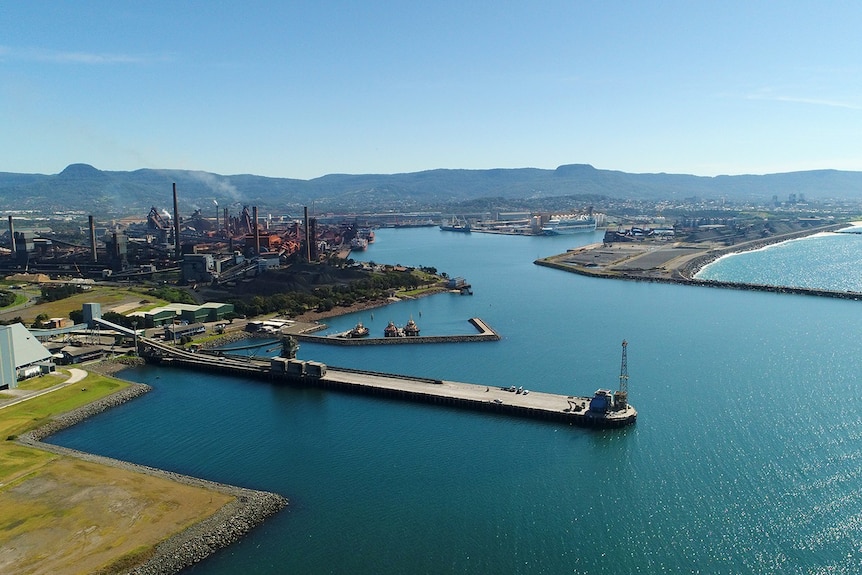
[(171, 313)]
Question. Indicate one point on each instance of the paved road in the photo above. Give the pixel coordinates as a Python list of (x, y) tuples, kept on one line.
[(75, 375)]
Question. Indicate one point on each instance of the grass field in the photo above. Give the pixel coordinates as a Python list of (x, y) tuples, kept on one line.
[(63, 515), (108, 297)]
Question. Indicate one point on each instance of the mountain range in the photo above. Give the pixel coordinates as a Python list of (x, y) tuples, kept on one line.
[(84, 188)]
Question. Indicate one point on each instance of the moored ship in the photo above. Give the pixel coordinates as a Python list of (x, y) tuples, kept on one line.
[(358, 244), (456, 224), (358, 331), (569, 224), (391, 330), (411, 329)]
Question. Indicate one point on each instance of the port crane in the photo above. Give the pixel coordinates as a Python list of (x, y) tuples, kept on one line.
[(621, 397)]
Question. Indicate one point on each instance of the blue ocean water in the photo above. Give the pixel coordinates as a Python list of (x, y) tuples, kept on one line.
[(745, 457), (827, 260)]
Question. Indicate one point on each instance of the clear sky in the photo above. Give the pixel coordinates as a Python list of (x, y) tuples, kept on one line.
[(300, 88)]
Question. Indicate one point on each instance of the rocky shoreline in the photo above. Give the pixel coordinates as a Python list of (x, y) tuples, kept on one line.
[(685, 273), (248, 509)]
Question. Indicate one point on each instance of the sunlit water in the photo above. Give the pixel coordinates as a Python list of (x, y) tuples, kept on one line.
[(746, 457), (830, 261)]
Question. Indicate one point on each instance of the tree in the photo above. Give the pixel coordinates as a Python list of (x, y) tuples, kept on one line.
[(7, 298), (118, 319)]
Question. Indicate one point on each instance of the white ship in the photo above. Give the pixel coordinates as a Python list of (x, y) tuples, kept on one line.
[(569, 224)]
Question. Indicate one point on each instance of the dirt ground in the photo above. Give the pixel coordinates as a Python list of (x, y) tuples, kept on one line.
[(77, 517)]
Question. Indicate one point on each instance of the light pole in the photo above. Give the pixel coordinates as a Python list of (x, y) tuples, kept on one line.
[(135, 329)]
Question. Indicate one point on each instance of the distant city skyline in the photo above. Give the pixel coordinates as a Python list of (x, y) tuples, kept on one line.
[(304, 89)]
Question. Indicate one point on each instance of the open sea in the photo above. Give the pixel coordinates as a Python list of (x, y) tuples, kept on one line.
[(746, 457)]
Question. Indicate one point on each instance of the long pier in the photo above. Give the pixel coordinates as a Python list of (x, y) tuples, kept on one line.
[(507, 400), (486, 333)]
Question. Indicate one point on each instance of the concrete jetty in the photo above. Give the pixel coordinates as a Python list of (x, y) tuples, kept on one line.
[(486, 333), (508, 400)]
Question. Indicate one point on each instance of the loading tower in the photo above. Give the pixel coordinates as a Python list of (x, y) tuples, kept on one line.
[(621, 397)]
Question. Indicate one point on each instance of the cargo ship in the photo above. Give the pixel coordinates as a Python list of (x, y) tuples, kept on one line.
[(358, 244), (456, 225), (569, 224)]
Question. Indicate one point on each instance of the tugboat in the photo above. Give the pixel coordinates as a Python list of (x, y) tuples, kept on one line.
[(392, 330), (411, 329), (358, 331)]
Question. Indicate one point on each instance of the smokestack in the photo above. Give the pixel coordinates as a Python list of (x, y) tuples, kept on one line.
[(312, 233), (93, 239), (307, 236), (176, 224), (256, 231), (226, 224), (12, 235)]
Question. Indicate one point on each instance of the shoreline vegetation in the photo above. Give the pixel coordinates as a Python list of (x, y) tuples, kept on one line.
[(678, 262), (313, 316)]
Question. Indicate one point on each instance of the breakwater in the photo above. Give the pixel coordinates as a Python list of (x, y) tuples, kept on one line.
[(246, 510), (706, 283), (486, 333), (684, 274)]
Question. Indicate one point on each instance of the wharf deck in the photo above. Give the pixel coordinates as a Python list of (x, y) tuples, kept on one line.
[(495, 399)]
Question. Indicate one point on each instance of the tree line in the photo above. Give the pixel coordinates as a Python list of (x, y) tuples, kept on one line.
[(376, 286)]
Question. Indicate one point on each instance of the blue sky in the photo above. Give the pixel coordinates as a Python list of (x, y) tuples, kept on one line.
[(301, 89)]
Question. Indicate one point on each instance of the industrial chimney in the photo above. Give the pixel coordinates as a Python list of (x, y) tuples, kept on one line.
[(307, 236), (256, 231), (12, 236), (176, 225), (93, 240)]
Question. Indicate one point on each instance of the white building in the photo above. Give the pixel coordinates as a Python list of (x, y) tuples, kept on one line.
[(21, 355)]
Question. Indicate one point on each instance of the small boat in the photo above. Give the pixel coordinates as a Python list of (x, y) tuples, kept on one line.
[(391, 330), (358, 331), (411, 329)]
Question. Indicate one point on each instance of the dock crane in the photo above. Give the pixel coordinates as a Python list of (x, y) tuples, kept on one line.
[(621, 396)]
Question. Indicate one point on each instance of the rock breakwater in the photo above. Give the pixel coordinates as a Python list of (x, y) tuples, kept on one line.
[(247, 509)]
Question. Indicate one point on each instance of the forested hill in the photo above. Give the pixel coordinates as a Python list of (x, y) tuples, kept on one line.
[(85, 188)]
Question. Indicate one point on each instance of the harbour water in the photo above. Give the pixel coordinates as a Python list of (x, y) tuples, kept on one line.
[(745, 457)]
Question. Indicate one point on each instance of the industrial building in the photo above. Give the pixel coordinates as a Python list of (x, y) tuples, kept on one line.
[(210, 311), (21, 356)]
